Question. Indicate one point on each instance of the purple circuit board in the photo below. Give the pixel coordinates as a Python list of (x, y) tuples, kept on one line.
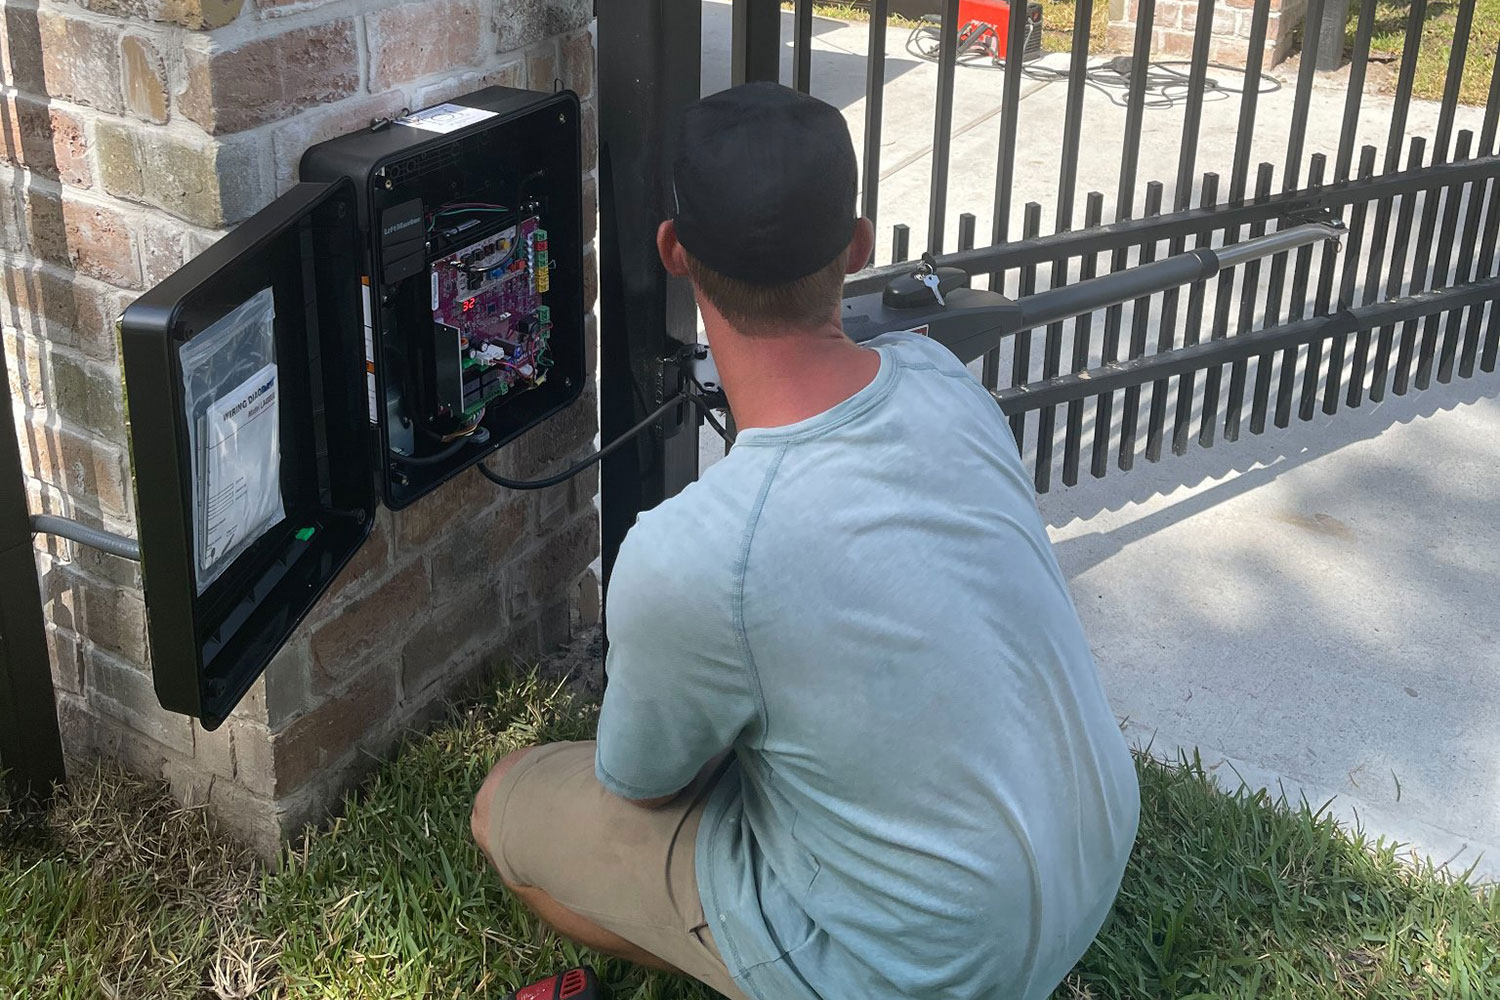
[(487, 291), (482, 304)]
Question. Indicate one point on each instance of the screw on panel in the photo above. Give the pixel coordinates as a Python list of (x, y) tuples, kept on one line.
[(562, 117)]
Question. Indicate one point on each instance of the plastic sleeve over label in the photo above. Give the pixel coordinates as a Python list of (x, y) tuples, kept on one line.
[(231, 402)]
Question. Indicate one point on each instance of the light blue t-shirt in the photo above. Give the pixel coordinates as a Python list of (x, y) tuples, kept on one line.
[(930, 796)]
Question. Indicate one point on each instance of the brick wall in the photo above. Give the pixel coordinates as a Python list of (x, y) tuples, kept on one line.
[(1175, 22), (134, 133)]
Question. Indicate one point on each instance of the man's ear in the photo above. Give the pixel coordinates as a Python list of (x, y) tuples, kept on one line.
[(861, 245), (673, 257)]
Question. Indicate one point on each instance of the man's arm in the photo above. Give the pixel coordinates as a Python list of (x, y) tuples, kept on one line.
[(703, 775), (679, 693)]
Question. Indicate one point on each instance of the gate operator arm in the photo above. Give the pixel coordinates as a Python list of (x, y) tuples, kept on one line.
[(971, 321), (968, 321)]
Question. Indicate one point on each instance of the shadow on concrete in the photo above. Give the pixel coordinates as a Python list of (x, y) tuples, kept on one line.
[(1256, 458), (1250, 462), (837, 75)]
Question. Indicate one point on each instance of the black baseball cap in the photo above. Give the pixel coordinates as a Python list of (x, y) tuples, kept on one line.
[(763, 183)]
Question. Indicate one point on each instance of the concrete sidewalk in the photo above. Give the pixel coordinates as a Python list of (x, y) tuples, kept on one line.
[(1315, 612)]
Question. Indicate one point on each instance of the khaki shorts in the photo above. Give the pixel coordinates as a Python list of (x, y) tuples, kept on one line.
[(627, 869)]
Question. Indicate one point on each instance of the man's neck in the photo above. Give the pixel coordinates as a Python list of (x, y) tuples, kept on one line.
[(775, 379)]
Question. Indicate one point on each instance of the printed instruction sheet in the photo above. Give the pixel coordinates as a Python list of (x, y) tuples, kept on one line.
[(240, 490)]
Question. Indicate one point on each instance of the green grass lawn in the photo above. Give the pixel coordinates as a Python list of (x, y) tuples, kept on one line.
[(1389, 34), (118, 894)]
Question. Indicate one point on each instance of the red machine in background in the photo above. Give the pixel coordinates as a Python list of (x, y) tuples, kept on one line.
[(983, 32)]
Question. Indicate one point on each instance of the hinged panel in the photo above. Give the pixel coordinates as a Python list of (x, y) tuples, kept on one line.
[(250, 442)]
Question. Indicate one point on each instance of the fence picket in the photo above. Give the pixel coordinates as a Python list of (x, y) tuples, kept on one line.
[(1420, 271), (1457, 53), (1263, 364), (1093, 213), (1005, 171), (1416, 16), (1312, 369), (1351, 254), (1244, 136), (1460, 201), (1020, 370), (1249, 282), (1191, 330), (942, 134), (1130, 411), (1355, 90), (874, 112), (1361, 361), (1404, 216), (1301, 277)]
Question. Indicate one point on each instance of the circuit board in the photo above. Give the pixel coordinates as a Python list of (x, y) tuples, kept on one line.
[(490, 294)]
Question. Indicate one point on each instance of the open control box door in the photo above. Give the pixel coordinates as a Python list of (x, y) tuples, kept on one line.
[(250, 442)]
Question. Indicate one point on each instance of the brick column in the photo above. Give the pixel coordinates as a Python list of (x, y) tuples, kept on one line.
[(135, 133), (1177, 20)]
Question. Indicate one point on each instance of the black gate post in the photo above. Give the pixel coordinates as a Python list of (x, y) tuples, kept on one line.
[(755, 42), (649, 65), (30, 745)]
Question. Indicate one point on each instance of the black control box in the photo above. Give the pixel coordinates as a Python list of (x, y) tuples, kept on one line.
[(414, 303)]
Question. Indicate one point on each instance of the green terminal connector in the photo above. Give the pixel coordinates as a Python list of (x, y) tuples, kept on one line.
[(305, 534), (544, 315)]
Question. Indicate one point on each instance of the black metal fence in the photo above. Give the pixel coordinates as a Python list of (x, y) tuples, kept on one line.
[(1410, 298)]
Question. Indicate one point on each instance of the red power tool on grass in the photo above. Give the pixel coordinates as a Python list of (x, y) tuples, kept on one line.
[(575, 984)]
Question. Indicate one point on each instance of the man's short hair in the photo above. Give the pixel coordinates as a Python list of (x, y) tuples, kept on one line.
[(800, 304)]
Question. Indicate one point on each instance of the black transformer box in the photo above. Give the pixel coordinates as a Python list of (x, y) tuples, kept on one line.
[(414, 303)]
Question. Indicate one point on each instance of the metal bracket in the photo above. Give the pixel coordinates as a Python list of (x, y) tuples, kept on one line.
[(1310, 212), (698, 374)]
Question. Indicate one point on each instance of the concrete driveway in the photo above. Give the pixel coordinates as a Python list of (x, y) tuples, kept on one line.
[(1315, 612)]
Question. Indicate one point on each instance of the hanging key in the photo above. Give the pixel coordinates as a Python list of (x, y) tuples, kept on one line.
[(935, 283)]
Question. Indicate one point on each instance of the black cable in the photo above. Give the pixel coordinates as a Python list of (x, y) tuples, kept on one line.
[(708, 415), (569, 473), (434, 459), (1164, 87)]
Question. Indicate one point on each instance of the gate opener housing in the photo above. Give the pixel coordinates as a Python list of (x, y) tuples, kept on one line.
[(937, 301), (413, 304)]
